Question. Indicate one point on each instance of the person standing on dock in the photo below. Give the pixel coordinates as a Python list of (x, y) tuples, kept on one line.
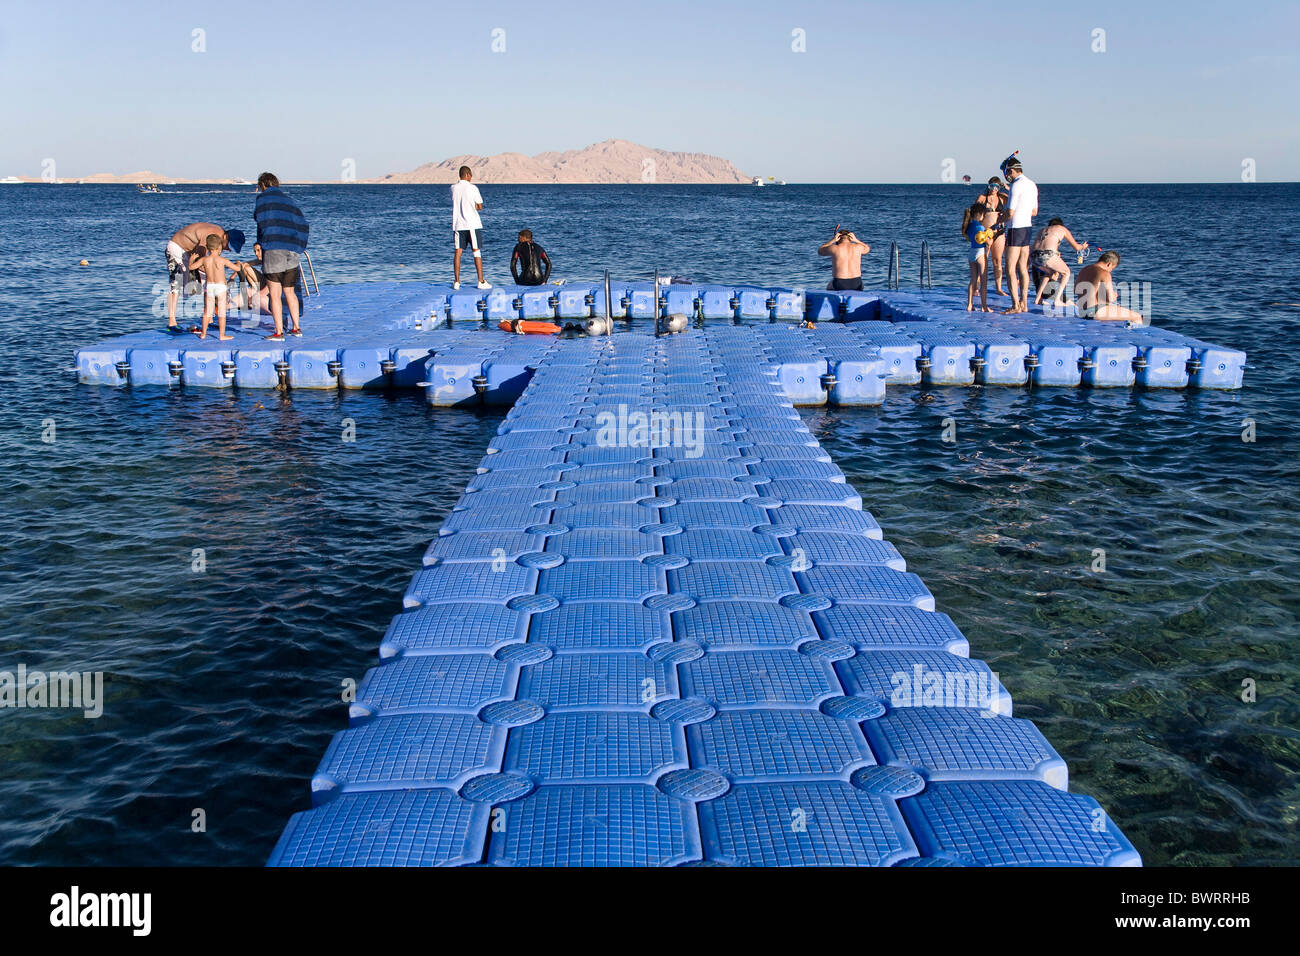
[(466, 226), (184, 244), (1022, 207), (995, 200), (282, 233), (846, 251)]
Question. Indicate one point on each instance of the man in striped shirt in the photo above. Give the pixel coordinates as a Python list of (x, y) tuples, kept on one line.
[(282, 233)]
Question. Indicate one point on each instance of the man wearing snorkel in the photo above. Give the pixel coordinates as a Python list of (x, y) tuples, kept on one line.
[(1022, 207)]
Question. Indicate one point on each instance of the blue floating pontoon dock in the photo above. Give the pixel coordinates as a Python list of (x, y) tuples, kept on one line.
[(390, 334), (658, 627)]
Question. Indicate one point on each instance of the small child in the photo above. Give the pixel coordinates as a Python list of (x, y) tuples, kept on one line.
[(527, 260), (980, 236), (214, 266)]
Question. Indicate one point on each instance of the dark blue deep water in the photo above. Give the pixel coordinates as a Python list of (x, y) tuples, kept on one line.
[(223, 687)]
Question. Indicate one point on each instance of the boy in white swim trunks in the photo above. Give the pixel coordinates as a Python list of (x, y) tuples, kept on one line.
[(213, 266)]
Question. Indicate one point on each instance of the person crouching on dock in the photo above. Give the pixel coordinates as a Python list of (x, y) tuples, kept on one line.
[(1047, 259), (846, 252)]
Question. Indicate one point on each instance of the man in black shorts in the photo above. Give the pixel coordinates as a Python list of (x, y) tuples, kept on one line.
[(846, 252)]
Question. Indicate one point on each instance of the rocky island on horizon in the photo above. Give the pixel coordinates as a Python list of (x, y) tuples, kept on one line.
[(614, 161)]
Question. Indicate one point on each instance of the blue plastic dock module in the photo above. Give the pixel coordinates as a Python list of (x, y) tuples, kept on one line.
[(658, 629), (408, 335)]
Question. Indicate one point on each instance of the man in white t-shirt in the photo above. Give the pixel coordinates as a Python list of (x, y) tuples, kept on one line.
[(1022, 207), (466, 227)]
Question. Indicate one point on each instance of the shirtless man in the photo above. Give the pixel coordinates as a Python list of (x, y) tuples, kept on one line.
[(995, 199), (1045, 255), (1094, 292), (846, 251), (184, 242)]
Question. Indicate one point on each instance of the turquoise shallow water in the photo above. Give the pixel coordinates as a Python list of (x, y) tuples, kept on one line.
[(223, 687)]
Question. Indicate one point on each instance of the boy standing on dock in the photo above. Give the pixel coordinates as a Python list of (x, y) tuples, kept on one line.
[(282, 233), (213, 265), (466, 226)]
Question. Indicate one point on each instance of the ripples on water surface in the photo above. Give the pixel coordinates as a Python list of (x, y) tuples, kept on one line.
[(223, 688)]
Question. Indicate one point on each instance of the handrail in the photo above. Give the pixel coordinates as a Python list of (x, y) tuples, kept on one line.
[(312, 269), (655, 294), (609, 315), (891, 279), (927, 277)]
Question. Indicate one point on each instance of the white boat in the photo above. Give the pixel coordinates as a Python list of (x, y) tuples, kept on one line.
[(758, 180), (11, 181)]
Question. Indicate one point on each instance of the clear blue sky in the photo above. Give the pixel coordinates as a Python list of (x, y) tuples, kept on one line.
[(884, 93)]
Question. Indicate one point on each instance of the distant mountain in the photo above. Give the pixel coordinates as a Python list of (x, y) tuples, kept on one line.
[(140, 176), (613, 161)]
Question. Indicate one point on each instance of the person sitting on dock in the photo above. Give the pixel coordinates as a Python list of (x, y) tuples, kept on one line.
[(527, 261), (185, 243), (282, 233), (1047, 259), (255, 296), (846, 251), (213, 265), (1094, 292), (466, 226)]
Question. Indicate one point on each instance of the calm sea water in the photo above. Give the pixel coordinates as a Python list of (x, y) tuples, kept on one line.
[(223, 687)]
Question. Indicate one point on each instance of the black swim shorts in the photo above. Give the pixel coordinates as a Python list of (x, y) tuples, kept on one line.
[(846, 285)]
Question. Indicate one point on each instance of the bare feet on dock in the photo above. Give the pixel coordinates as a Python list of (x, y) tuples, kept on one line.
[(224, 338)]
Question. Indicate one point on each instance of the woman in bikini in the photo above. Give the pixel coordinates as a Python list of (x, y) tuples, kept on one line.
[(994, 201), (1043, 255)]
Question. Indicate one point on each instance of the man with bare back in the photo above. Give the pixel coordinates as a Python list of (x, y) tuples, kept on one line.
[(186, 241), (1094, 292), (1046, 258), (846, 252)]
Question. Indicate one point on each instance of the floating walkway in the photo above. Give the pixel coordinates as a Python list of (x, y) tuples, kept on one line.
[(658, 629), (406, 335)]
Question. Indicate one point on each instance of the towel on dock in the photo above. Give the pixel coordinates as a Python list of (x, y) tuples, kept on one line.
[(280, 223)]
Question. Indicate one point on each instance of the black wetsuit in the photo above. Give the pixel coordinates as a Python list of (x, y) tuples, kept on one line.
[(527, 263)]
